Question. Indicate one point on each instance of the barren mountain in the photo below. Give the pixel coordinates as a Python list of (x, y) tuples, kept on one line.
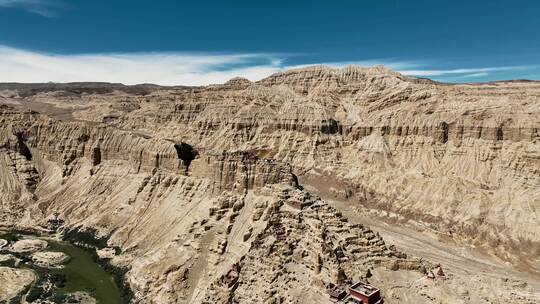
[(264, 192)]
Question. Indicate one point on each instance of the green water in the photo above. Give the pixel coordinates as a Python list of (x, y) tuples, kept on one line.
[(83, 274)]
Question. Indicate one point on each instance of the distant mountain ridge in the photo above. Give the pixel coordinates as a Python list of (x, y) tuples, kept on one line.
[(320, 72)]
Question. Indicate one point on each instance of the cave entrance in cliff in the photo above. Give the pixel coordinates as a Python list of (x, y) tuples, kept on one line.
[(500, 134), (23, 148), (186, 153), (444, 132)]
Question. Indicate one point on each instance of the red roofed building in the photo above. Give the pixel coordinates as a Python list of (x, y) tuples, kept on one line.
[(365, 293)]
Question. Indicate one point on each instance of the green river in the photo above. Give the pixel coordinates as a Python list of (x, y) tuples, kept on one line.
[(81, 274)]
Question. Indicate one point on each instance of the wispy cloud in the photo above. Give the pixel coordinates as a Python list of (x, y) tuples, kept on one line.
[(419, 69), (46, 8), (473, 71), (481, 74), (180, 68), (167, 68)]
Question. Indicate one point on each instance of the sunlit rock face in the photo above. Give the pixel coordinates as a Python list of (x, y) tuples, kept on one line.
[(206, 188)]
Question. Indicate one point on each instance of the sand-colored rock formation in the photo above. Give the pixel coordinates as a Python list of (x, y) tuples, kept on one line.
[(217, 194), (28, 245), (50, 259), (14, 281)]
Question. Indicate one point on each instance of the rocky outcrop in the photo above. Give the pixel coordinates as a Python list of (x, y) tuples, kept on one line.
[(200, 189), (14, 281), (241, 171), (308, 246)]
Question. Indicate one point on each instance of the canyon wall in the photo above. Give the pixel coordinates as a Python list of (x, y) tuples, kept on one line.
[(463, 160), (206, 191)]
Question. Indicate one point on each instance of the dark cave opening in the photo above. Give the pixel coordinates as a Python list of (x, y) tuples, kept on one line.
[(22, 148), (500, 134), (331, 127), (186, 153), (443, 127), (96, 156)]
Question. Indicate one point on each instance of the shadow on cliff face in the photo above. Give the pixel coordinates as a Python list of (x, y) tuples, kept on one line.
[(22, 148), (186, 153)]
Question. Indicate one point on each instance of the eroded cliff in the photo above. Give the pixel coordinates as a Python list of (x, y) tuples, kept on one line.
[(212, 194)]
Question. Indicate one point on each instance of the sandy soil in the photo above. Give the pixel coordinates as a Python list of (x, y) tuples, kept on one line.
[(82, 298), (28, 245), (461, 260), (7, 257), (55, 110), (50, 259), (13, 281)]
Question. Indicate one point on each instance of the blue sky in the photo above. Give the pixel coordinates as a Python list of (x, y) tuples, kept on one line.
[(200, 42)]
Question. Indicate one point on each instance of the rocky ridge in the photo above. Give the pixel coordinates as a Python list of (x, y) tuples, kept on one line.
[(202, 188)]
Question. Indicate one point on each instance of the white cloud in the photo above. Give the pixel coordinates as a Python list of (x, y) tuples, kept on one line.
[(46, 8), (481, 74), (177, 68), (458, 71), (160, 68)]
